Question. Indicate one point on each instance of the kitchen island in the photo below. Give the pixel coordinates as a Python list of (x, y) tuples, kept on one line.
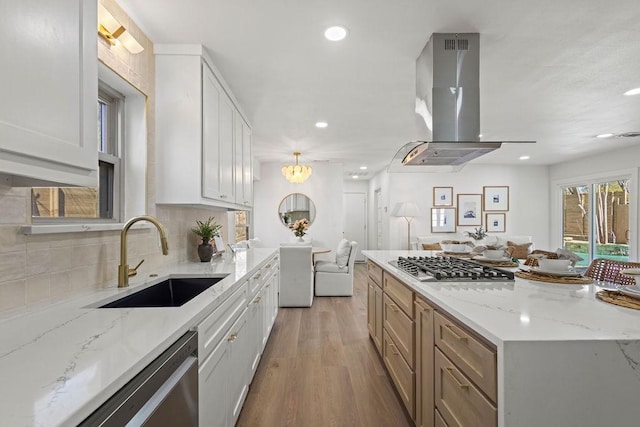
[(563, 358), (60, 363)]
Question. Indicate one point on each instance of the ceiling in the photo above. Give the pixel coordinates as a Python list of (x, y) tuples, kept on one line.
[(552, 71)]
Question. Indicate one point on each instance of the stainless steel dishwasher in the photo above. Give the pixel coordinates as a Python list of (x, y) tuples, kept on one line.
[(163, 394)]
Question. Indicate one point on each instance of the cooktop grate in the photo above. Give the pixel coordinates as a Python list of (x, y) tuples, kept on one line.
[(450, 269)]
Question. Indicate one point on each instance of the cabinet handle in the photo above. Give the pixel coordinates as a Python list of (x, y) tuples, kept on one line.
[(422, 305), (257, 300), (267, 266), (257, 276), (458, 383), (394, 349), (268, 286), (394, 307), (458, 337), (232, 337), (223, 196)]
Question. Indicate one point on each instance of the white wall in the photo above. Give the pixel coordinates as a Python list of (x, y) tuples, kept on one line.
[(324, 188), (528, 199)]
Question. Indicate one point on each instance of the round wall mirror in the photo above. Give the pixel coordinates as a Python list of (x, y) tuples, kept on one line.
[(296, 206)]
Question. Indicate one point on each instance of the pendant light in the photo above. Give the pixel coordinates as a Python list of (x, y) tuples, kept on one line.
[(296, 174)]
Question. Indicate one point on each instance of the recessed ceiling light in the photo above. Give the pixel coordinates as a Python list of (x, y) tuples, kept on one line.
[(354, 176), (336, 33), (363, 168), (635, 91), (322, 125), (604, 135), (524, 157)]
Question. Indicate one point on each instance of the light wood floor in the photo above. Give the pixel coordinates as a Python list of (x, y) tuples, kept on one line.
[(321, 369)]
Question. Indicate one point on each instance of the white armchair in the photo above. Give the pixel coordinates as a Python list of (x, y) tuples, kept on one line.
[(296, 276), (336, 278)]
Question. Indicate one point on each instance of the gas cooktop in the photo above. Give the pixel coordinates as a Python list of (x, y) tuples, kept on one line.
[(451, 269)]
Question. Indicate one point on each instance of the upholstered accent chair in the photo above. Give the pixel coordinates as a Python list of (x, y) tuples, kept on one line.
[(296, 276), (335, 278)]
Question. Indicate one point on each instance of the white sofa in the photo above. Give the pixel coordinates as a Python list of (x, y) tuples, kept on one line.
[(491, 239), (296, 276), (336, 278)]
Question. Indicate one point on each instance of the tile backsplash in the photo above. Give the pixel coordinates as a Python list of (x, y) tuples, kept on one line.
[(41, 268)]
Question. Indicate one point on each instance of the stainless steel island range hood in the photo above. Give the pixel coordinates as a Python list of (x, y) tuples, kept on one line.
[(447, 107)]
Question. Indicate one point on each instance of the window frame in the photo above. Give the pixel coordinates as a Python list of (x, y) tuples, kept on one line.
[(114, 155), (589, 181)]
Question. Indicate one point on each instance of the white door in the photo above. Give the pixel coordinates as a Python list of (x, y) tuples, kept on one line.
[(355, 220), (379, 213)]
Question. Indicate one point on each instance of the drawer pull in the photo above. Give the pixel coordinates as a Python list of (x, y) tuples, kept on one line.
[(394, 349), (257, 300), (268, 286), (257, 276), (421, 305), (458, 337), (394, 307), (232, 337), (459, 384), (267, 266)]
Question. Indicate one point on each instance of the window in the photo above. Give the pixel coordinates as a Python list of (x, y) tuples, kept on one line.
[(241, 221), (595, 220), (101, 203)]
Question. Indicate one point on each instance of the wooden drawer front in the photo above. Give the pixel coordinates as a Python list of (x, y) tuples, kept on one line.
[(401, 374), (371, 308), (378, 322), (460, 403), (400, 327), (474, 358), (439, 421), (212, 329), (402, 295), (424, 363), (375, 272)]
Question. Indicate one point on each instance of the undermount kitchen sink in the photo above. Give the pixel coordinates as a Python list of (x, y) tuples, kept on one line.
[(168, 293)]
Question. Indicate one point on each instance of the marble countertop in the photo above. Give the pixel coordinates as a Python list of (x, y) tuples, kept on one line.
[(524, 310), (60, 363)]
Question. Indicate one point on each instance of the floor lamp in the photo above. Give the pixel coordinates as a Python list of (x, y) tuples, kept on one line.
[(407, 210)]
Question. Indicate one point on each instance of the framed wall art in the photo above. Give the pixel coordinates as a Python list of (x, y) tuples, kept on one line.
[(442, 196), (495, 198), (443, 220), (469, 209), (496, 222)]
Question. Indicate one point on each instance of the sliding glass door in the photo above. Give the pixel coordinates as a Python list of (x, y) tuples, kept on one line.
[(595, 220)]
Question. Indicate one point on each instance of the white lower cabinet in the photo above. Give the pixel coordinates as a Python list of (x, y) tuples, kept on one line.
[(213, 397), (223, 377), (230, 343)]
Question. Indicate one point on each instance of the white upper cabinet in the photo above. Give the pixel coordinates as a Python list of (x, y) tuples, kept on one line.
[(49, 84), (243, 165), (198, 141)]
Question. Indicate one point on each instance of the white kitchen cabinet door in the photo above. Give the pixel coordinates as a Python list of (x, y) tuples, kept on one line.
[(213, 381), (255, 333), (226, 166), (247, 166), (239, 365), (243, 171), (49, 85), (211, 134)]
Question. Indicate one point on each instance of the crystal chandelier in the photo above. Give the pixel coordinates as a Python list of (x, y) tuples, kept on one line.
[(296, 173)]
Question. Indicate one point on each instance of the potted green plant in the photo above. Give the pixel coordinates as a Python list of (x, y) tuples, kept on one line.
[(207, 230)]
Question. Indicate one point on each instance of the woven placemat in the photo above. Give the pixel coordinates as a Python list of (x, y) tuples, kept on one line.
[(572, 280), (466, 255), (617, 298), (505, 264)]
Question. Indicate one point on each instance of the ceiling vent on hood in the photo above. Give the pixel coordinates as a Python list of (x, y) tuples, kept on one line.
[(447, 107)]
